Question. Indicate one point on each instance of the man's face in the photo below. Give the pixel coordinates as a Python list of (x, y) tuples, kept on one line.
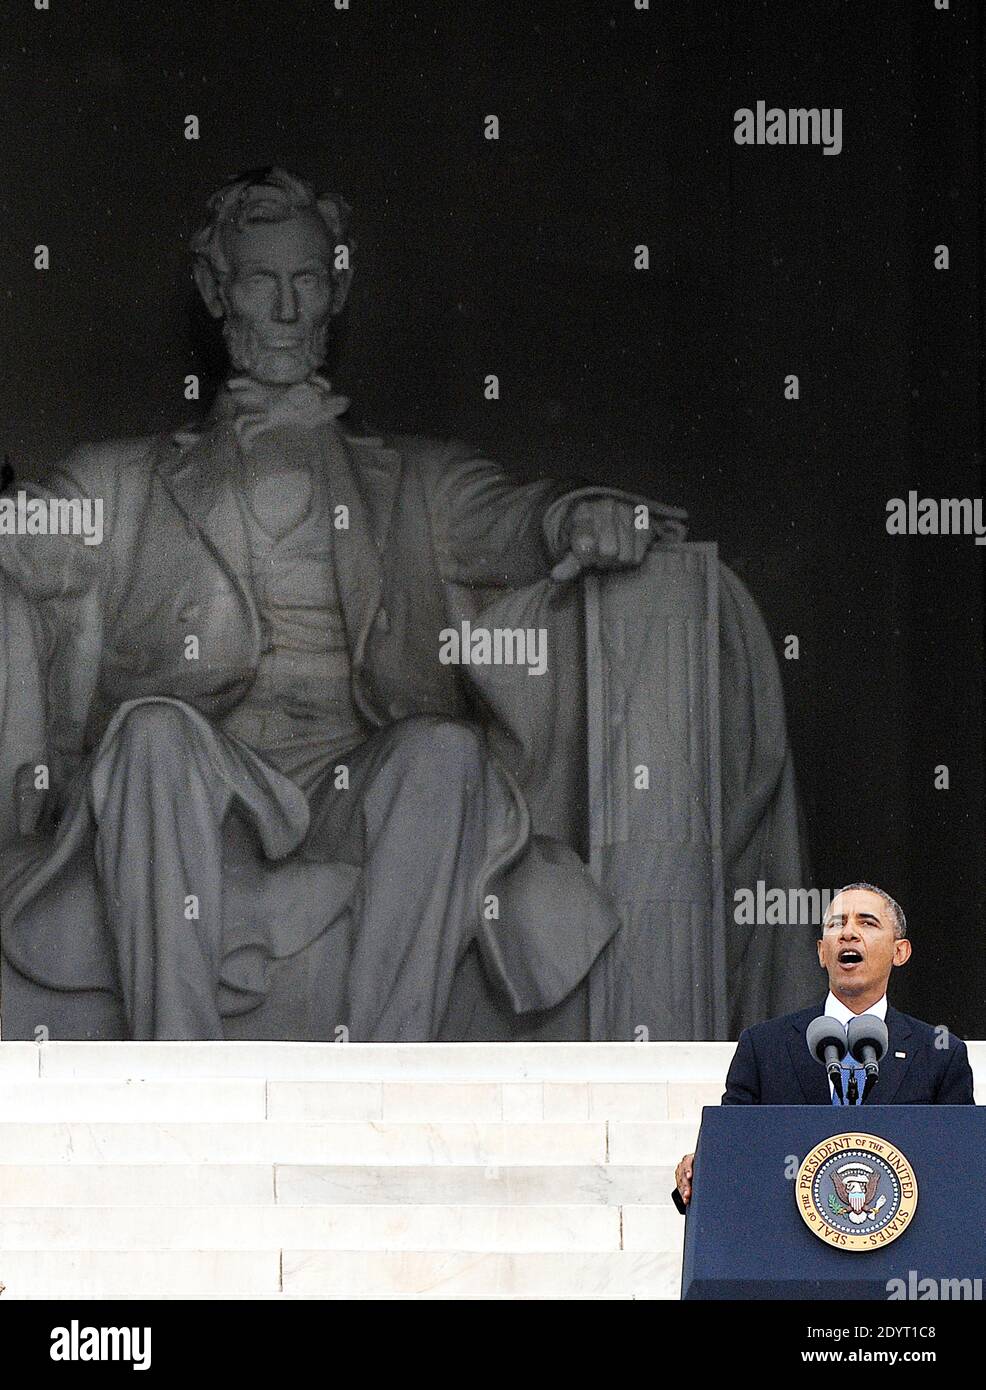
[(278, 298), (858, 947)]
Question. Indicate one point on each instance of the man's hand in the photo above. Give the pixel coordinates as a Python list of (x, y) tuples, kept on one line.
[(683, 1177)]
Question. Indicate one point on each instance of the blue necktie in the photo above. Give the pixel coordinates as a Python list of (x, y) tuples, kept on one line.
[(850, 1068)]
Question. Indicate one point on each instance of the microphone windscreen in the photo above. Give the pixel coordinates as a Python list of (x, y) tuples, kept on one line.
[(824, 1032), (867, 1029)]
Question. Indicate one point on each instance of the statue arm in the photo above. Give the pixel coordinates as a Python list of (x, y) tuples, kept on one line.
[(487, 527), (490, 529), (58, 566)]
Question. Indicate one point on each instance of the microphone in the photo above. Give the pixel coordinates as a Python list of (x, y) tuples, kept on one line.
[(827, 1043), (868, 1042)]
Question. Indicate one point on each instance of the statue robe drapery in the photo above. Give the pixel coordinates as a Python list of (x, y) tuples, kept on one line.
[(434, 535)]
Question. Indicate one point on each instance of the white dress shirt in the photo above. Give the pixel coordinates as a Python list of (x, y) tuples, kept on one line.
[(834, 1008)]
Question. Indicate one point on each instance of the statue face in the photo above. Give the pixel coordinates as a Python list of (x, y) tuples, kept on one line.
[(278, 298)]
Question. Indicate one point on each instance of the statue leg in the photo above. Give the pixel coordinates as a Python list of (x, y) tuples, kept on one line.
[(159, 795), (424, 804)]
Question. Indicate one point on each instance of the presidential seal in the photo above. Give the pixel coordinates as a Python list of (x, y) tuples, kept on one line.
[(856, 1191)]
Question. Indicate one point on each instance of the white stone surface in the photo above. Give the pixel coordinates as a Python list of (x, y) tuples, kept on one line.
[(523, 1101), (687, 1098), (269, 1142), (131, 1101), (472, 1274), (482, 1101), (19, 1061), (143, 1184), (79, 1274), (347, 1227), (379, 1062), (652, 1228), (605, 1183), (640, 1141)]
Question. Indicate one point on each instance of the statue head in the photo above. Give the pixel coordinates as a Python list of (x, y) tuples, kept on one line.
[(267, 263)]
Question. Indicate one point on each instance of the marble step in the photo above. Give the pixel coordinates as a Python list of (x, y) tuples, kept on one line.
[(344, 1274), (487, 1101), (508, 1229), (36, 1184), (242, 1098), (620, 1274), (147, 1274), (194, 1185), (371, 1101), (679, 1062), (172, 1101), (606, 1184), (325, 1102), (660, 1142), (273, 1061)]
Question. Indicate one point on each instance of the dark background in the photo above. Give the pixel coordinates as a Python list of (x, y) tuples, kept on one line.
[(516, 257)]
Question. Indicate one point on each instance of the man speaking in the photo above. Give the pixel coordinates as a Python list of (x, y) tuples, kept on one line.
[(864, 936)]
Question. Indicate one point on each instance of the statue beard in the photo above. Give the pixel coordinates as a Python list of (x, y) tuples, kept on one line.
[(249, 354)]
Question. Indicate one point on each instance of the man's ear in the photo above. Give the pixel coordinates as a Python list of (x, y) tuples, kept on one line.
[(902, 951), (208, 287)]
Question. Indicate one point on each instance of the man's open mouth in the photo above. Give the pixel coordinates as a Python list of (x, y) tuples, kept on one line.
[(850, 957)]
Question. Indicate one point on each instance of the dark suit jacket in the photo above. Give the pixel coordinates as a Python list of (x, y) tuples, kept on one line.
[(772, 1066)]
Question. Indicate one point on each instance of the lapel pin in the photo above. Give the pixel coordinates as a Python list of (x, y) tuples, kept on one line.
[(900, 1054)]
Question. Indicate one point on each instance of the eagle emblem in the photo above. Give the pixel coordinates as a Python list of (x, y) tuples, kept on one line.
[(856, 1191), (856, 1186)]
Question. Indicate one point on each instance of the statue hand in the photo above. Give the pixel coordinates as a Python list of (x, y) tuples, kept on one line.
[(602, 536), (304, 406)]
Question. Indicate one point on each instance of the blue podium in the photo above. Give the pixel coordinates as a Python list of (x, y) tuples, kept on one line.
[(826, 1202)]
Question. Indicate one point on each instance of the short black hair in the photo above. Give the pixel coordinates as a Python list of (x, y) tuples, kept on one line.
[(900, 921)]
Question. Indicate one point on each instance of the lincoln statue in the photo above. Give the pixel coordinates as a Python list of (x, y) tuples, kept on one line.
[(255, 741)]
